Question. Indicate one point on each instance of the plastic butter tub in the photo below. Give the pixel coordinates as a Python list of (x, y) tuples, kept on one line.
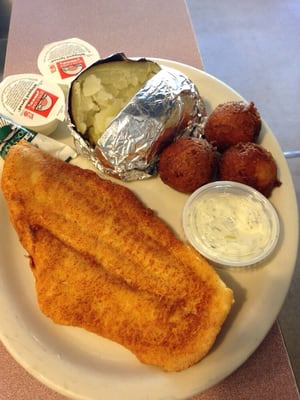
[(33, 102), (231, 224), (62, 61)]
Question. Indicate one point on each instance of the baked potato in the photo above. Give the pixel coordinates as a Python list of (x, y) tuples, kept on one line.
[(100, 92)]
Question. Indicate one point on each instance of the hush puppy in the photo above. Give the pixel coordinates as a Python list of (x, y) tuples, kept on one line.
[(231, 123), (251, 164), (187, 164)]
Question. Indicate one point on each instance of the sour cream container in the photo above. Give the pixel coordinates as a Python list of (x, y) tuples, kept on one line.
[(231, 224), (33, 102), (62, 61)]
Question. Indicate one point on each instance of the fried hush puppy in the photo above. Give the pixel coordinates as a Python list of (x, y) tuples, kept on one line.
[(187, 164), (232, 122), (251, 164)]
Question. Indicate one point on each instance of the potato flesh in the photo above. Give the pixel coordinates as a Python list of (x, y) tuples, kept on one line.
[(103, 91)]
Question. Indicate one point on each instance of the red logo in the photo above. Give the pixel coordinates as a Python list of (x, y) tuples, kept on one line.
[(41, 102), (70, 67)]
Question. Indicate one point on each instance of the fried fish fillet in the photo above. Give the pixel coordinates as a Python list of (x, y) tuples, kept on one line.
[(105, 262)]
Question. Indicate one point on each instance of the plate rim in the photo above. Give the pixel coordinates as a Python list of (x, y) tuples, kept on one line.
[(66, 390)]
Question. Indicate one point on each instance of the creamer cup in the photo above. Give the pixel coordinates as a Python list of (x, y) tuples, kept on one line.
[(62, 61), (33, 102)]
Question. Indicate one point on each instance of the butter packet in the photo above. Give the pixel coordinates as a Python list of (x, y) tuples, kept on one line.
[(11, 133), (33, 102)]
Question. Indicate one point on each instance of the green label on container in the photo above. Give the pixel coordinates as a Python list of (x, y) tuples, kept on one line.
[(11, 134)]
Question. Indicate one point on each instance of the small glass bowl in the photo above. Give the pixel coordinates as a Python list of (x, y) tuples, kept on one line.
[(231, 224)]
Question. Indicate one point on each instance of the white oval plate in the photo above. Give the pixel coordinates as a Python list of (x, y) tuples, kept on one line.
[(81, 365)]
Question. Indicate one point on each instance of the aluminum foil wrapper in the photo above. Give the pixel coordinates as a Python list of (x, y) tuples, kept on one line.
[(169, 105)]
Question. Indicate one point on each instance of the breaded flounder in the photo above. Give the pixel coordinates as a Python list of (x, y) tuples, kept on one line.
[(106, 263)]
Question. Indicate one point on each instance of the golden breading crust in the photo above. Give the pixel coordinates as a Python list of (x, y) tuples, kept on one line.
[(251, 164), (231, 123), (187, 164), (105, 262)]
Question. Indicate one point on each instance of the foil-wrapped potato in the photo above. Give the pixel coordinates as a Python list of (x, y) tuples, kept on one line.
[(123, 112), (101, 91)]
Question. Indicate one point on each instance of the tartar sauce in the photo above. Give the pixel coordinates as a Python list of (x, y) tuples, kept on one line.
[(229, 226)]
